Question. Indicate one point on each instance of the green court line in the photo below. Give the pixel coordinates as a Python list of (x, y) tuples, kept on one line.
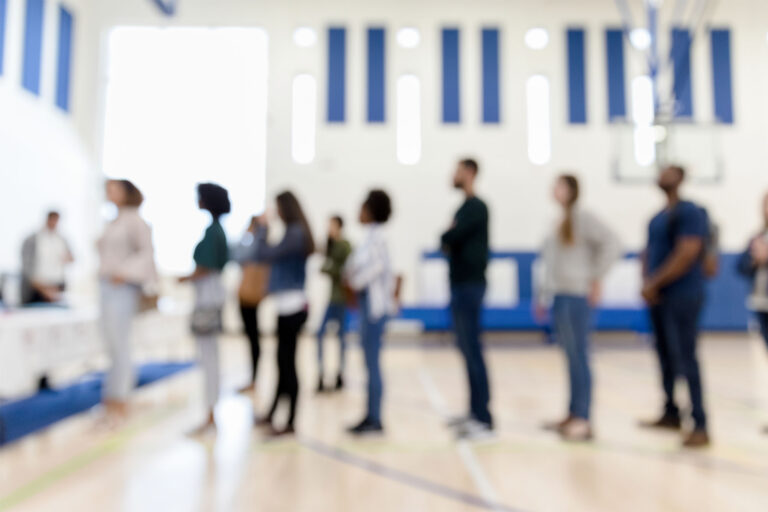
[(78, 462)]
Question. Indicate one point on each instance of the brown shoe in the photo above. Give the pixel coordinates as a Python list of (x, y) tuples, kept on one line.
[(287, 431), (577, 430), (557, 426), (666, 422), (697, 439)]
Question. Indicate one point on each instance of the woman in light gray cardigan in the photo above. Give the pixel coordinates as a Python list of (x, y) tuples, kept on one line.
[(576, 256)]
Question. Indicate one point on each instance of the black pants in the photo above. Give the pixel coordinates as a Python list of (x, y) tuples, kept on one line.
[(250, 316), (288, 328), (676, 327)]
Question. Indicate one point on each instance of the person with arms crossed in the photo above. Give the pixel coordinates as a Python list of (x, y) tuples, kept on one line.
[(466, 246)]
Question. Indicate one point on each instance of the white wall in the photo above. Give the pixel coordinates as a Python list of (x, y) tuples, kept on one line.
[(356, 156), (45, 162)]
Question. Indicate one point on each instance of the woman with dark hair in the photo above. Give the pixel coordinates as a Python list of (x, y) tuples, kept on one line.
[(336, 253), (369, 273), (126, 266), (575, 257), (288, 260), (210, 256)]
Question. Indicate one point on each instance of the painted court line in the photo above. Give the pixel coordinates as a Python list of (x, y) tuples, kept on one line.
[(466, 454), (402, 477)]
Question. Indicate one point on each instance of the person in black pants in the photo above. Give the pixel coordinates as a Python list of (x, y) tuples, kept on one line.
[(466, 246), (674, 288), (252, 291), (250, 316), (288, 261)]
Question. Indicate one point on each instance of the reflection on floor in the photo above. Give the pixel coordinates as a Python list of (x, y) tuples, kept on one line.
[(152, 464)]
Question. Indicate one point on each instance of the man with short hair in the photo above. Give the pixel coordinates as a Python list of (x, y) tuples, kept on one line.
[(466, 246), (44, 257), (674, 288)]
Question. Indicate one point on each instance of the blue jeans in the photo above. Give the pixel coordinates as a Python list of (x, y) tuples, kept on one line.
[(675, 323), (762, 318), (337, 313), (466, 307), (571, 316), (371, 332)]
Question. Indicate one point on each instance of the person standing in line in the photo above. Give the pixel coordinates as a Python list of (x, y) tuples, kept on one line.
[(336, 253), (575, 257), (753, 264), (466, 246), (253, 288), (674, 288), (369, 273), (288, 260), (210, 256), (126, 266), (45, 255)]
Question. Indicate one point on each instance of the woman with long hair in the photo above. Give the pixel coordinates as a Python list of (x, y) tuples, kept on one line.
[(576, 256), (126, 266), (210, 256), (369, 273), (288, 260)]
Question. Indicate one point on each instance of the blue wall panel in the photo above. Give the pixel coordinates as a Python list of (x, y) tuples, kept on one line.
[(681, 63), (721, 75), (451, 74), (725, 309), (376, 75), (64, 60), (491, 94), (33, 46), (3, 9), (577, 76), (615, 72), (337, 74)]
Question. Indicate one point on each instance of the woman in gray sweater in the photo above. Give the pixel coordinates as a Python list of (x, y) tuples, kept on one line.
[(576, 256)]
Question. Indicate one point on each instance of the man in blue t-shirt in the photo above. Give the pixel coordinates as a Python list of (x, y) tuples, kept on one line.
[(674, 288)]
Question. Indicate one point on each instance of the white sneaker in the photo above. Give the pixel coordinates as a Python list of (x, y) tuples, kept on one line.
[(458, 421), (577, 430), (474, 430)]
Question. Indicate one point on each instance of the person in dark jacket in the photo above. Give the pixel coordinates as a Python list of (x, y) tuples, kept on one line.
[(288, 260), (466, 246)]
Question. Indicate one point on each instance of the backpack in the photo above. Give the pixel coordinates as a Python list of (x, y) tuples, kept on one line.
[(710, 253)]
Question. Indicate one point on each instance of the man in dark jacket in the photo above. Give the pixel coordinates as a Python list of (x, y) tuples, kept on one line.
[(466, 246)]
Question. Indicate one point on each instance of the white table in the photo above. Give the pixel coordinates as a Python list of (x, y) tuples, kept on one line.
[(36, 342)]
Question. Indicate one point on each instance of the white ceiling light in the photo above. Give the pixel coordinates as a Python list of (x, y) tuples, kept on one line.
[(408, 37), (537, 38), (304, 37), (640, 38)]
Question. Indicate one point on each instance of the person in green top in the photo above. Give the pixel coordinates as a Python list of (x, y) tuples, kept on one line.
[(210, 256), (336, 254)]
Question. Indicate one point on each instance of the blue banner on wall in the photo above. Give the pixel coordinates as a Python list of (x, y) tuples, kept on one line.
[(681, 63), (3, 9), (577, 76), (722, 75), (491, 93), (451, 76), (64, 60), (337, 74), (33, 46), (377, 75), (615, 73)]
